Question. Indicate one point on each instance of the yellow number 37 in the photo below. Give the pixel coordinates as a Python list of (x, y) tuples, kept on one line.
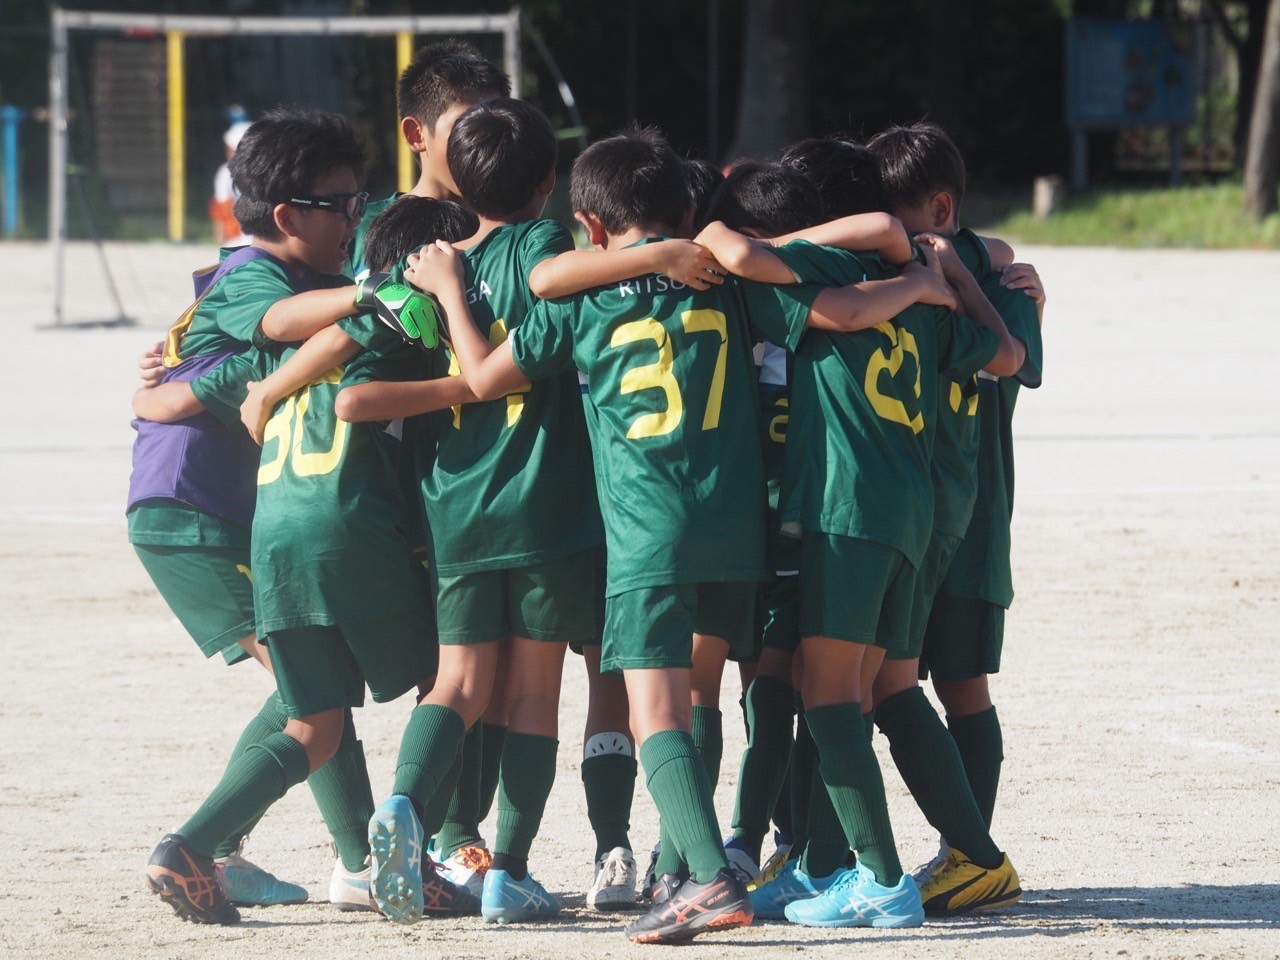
[(659, 375)]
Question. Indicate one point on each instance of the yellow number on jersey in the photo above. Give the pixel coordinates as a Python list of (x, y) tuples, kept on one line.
[(901, 343), (515, 399), (287, 430), (958, 398), (659, 375), (778, 425), (651, 376)]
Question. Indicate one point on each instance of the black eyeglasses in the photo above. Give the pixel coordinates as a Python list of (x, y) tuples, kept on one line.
[(350, 205)]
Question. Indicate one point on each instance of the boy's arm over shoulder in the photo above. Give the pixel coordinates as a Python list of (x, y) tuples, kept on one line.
[(881, 232), (489, 371), (329, 348), (295, 318), (975, 305), (575, 271), (743, 256)]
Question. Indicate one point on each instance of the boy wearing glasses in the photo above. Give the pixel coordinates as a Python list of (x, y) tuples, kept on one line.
[(191, 505)]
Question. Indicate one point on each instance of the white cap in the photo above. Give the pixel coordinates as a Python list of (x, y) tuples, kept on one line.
[(234, 132)]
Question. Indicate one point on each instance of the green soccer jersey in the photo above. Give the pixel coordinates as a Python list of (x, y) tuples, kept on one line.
[(672, 395), (511, 482), (329, 543), (864, 409), (230, 313), (355, 263), (981, 567), (955, 448)]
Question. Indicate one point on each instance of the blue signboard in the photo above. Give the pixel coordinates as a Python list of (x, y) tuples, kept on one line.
[(1123, 73)]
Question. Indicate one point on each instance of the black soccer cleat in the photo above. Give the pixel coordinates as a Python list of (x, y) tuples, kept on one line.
[(186, 881), (694, 908)]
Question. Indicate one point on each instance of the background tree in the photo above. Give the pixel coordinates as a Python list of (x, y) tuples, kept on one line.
[(1262, 164), (773, 97)]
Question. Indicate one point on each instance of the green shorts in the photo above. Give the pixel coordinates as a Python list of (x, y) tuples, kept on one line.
[(782, 613), (933, 569), (597, 603), (326, 668), (209, 590), (546, 601), (653, 627), (963, 640), (856, 590)]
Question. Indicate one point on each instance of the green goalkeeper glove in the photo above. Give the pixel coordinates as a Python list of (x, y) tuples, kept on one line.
[(408, 312)]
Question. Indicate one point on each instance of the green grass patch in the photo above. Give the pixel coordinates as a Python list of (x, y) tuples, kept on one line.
[(1197, 217)]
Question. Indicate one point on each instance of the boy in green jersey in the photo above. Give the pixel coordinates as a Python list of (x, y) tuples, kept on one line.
[(960, 629), (326, 516), (670, 383), (764, 201), (442, 82), (204, 556), (862, 407), (510, 501)]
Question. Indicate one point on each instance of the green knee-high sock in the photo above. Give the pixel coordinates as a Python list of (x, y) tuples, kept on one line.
[(433, 816), (258, 778), (852, 775), (707, 730), (804, 761), (981, 747), (490, 767), (826, 846), (461, 827), (428, 749), (869, 723), (342, 792), (931, 767), (677, 779), (268, 720), (609, 781), (770, 711), (528, 773)]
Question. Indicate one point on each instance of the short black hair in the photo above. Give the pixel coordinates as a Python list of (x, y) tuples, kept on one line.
[(412, 222), (499, 152), (704, 181), (632, 179), (917, 161), (282, 155), (768, 197), (845, 173), (441, 74)]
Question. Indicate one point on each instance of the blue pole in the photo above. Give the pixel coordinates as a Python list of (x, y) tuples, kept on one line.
[(10, 117)]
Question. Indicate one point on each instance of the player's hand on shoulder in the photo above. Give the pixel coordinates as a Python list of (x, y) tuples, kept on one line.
[(933, 287), (1024, 277), (435, 268), (151, 366), (691, 264), (946, 254)]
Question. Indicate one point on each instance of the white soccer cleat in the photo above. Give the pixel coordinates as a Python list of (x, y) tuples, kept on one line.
[(614, 887), (349, 890)]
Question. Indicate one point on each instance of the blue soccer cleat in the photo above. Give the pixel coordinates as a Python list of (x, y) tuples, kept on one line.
[(395, 860), (855, 899), (508, 900), (770, 899), (247, 885)]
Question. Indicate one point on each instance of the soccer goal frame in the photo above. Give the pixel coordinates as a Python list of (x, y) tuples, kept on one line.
[(175, 29)]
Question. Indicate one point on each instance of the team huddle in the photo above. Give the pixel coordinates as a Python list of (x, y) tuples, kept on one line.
[(426, 444)]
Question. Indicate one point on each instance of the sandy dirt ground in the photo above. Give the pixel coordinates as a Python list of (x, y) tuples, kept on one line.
[(1140, 695)]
